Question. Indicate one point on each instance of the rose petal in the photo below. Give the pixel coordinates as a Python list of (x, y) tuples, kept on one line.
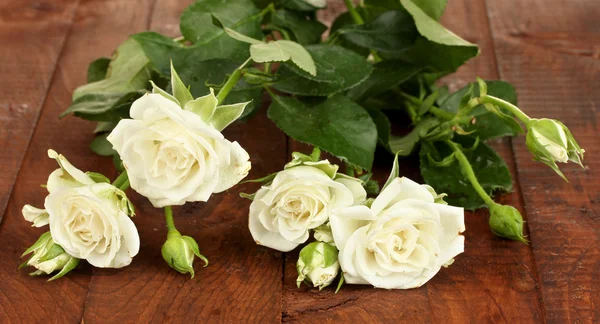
[(400, 189), (345, 222)]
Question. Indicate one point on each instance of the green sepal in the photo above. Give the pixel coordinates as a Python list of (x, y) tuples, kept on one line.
[(196, 249), (265, 179), (340, 283), (394, 173), (247, 196), (180, 91), (72, 264), (204, 106), (97, 177), (157, 89), (43, 239), (224, 115)]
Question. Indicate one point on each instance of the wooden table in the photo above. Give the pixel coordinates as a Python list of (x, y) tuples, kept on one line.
[(550, 51)]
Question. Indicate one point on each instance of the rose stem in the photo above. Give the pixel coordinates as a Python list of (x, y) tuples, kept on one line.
[(171, 229), (504, 104), (122, 181), (231, 81), (467, 171), (355, 15)]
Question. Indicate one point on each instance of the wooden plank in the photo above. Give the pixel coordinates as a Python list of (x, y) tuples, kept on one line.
[(32, 36), (243, 280), (550, 53), (478, 286), (98, 28)]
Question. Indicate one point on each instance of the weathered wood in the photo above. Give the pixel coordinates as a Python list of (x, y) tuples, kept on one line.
[(98, 28), (243, 280), (550, 54), (32, 36), (478, 285)]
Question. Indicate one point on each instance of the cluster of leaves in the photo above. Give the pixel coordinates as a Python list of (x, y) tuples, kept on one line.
[(334, 93)]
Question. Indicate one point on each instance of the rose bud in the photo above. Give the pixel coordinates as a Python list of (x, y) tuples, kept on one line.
[(179, 251), (550, 141), (506, 222), (323, 234), (49, 257), (317, 265)]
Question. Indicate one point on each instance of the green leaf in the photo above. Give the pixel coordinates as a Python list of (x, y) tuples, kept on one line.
[(304, 5), (487, 124), (338, 69), (197, 26), (233, 34), (404, 145), (161, 50), (282, 51), (433, 8), (195, 71), (98, 177), (385, 75), (103, 127), (128, 71), (97, 69), (180, 91), (338, 126), (110, 107), (489, 168), (384, 127), (101, 146), (438, 48), (392, 31), (305, 31)]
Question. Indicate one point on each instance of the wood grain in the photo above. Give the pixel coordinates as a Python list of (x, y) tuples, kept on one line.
[(549, 50), (32, 35), (98, 28), (476, 287), (243, 280), (551, 55)]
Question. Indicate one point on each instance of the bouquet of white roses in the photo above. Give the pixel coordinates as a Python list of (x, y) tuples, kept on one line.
[(338, 93)]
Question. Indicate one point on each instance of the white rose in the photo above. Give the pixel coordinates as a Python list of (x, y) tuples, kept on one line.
[(90, 223), (401, 241), (172, 155), (88, 220), (300, 198)]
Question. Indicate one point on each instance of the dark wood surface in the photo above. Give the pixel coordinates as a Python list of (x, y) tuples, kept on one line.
[(550, 51)]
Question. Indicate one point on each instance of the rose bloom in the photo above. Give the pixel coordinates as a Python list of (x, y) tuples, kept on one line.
[(299, 199), (88, 220), (172, 156), (401, 241)]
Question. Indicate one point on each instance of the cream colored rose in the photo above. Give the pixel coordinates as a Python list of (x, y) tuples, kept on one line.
[(173, 155), (299, 198), (92, 223), (88, 220), (401, 241)]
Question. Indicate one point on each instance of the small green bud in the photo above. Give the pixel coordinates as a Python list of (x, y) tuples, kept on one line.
[(550, 141), (437, 198), (179, 251), (506, 222), (318, 265), (49, 257)]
